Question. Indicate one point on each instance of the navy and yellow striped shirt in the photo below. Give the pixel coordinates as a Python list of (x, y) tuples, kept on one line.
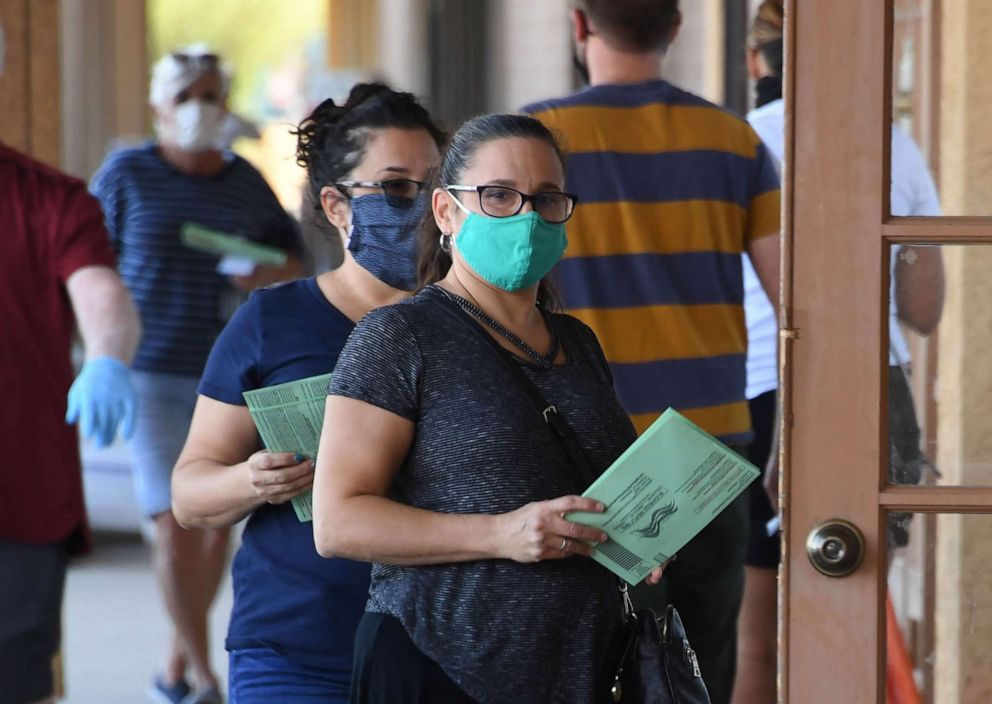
[(672, 189)]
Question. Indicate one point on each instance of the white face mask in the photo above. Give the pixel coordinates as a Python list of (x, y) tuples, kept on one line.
[(196, 126)]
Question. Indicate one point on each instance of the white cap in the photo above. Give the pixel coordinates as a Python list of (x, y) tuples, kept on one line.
[(178, 70)]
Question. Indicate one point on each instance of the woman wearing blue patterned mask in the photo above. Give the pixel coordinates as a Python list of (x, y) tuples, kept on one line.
[(294, 617), (435, 462)]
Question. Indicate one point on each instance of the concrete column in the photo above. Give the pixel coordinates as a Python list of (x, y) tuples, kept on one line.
[(352, 34), (30, 78), (404, 57), (695, 60), (964, 384), (530, 55), (105, 79)]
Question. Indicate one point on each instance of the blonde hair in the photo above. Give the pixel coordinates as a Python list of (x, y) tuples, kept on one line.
[(768, 23), (767, 29)]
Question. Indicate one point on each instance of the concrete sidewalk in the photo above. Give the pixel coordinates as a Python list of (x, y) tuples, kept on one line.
[(115, 629)]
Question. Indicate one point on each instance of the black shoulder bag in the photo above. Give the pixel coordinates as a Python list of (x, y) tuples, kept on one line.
[(656, 665)]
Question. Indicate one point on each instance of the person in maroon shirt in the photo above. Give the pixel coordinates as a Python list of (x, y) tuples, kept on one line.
[(56, 273)]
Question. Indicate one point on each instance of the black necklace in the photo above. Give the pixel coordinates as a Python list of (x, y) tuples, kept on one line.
[(543, 361)]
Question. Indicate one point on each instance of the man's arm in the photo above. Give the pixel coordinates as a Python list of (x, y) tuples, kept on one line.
[(918, 270), (919, 274), (268, 274), (105, 314), (101, 397), (765, 256)]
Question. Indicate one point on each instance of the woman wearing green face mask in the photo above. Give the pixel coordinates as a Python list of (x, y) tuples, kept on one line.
[(437, 465)]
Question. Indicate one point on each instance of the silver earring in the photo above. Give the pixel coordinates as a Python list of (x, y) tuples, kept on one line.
[(445, 242)]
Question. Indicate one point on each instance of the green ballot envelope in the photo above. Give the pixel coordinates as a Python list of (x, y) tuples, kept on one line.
[(665, 488), (204, 239), (289, 418)]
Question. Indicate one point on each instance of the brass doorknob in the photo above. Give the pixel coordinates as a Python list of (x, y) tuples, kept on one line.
[(835, 548)]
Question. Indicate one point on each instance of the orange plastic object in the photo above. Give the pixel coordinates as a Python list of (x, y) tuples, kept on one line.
[(900, 685)]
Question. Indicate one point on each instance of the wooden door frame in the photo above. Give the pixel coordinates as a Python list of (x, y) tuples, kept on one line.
[(835, 206), (834, 344)]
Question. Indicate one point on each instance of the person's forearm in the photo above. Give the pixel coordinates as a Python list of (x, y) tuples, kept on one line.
[(108, 321), (209, 494), (919, 274), (770, 477), (377, 529), (294, 268), (269, 274), (291, 270)]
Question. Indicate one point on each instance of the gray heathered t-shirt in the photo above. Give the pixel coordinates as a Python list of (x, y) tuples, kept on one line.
[(502, 630)]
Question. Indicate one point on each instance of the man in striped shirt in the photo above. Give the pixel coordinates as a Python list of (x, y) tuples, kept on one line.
[(672, 190)]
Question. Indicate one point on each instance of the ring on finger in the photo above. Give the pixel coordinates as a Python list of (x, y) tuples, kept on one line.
[(564, 544)]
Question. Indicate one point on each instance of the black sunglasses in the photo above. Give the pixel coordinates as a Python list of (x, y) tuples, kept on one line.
[(399, 192)]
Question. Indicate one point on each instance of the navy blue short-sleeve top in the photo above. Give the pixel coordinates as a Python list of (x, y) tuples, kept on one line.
[(286, 596)]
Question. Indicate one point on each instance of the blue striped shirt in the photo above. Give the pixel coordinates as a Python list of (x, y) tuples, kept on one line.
[(177, 290)]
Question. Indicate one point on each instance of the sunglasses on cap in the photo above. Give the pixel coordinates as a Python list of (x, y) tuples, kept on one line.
[(208, 60)]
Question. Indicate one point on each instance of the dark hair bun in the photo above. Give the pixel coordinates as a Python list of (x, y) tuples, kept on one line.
[(313, 130), (330, 141), (360, 92)]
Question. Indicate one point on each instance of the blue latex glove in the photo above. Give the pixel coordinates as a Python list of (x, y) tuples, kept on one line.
[(101, 398)]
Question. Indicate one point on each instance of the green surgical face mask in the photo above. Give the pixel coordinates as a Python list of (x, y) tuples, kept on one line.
[(511, 253)]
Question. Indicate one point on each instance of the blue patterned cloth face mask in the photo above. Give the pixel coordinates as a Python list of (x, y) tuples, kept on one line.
[(383, 238)]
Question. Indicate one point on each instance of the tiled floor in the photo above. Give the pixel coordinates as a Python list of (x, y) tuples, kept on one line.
[(115, 627)]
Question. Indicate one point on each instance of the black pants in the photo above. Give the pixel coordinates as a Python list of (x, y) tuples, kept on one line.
[(763, 550), (32, 578), (390, 669), (906, 461), (706, 585)]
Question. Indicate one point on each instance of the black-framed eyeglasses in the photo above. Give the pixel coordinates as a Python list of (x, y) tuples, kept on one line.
[(399, 192), (503, 202)]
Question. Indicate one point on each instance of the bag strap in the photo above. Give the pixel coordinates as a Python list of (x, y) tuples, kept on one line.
[(554, 420)]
